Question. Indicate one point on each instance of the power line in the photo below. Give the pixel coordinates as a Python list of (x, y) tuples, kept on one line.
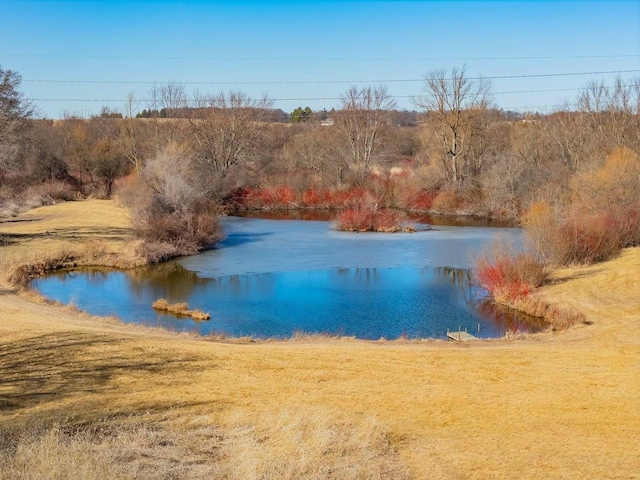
[(306, 82), (148, 100)]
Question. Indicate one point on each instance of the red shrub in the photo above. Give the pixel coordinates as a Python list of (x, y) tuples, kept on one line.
[(311, 198), (283, 196), (364, 218), (347, 198), (421, 200), (387, 220), (509, 277), (359, 219), (586, 238), (264, 198)]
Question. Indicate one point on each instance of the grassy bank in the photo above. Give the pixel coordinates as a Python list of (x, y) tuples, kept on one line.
[(118, 398)]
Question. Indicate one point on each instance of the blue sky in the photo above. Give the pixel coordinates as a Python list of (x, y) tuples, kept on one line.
[(268, 43)]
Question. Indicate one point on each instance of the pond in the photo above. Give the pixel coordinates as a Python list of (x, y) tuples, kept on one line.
[(274, 278)]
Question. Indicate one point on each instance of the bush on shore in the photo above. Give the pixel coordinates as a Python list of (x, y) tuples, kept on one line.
[(171, 214), (509, 276), (601, 218)]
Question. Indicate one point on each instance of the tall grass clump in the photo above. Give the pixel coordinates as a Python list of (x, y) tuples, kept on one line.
[(305, 444), (171, 212), (106, 450), (309, 444)]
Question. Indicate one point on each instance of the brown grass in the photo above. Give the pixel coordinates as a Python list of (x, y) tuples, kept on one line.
[(286, 446), (555, 317), (291, 445), (555, 405), (181, 308), (107, 450)]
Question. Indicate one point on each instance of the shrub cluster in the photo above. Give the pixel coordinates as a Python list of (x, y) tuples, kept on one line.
[(601, 218), (420, 200), (186, 232), (456, 201), (509, 276), (365, 216), (171, 213), (284, 197)]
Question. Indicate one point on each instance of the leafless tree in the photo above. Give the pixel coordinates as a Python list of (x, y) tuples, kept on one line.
[(168, 207), (366, 113), (167, 101), (225, 129), (611, 112), (315, 150), (130, 133), (455, 106), (14, 111)]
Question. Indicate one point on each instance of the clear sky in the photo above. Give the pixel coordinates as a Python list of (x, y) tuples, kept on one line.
[(320, 47)]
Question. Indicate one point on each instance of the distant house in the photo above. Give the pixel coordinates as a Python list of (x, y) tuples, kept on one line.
[(328, 122)]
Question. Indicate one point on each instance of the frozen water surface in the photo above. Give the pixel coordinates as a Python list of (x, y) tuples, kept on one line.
[(269, 246), (272, 278)]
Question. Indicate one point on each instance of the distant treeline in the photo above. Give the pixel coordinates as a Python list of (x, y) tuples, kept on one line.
[(456, 153)]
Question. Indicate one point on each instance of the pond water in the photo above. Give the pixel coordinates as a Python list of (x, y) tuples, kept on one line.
[(273, 278)]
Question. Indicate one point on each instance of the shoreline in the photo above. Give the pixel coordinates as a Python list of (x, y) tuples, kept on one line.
[(426, 395)]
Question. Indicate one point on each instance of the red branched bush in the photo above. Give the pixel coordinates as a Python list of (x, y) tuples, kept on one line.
[(509, 277), (365, 216), (311, 198), (283, 196), (390, 221), (358, 219), (262, 198), (421, 200), (349, 198)]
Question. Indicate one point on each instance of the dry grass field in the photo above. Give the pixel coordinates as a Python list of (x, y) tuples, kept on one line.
[(87, 397)]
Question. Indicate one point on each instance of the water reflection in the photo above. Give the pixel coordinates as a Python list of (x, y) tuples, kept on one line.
[(272, 278), (367, 303), (511, 320)]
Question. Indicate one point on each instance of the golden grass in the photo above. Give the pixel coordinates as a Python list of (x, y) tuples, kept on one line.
[(555, 405), (551, 315), (284, 446), (181, 308)]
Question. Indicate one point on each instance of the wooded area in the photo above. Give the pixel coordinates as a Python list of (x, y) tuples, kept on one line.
[(571, 174)]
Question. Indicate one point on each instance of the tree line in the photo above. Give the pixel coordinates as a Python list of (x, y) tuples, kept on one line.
[(459, 154)]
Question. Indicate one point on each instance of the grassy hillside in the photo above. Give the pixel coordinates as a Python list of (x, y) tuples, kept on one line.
[(111, 399)]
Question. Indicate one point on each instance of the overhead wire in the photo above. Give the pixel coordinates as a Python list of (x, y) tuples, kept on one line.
[(148, 100), (304, 82)]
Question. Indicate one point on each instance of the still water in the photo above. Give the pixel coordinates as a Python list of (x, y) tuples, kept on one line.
[(273, 278)]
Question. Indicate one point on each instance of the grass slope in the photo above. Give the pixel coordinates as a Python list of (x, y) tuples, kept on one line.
[(551, 406)]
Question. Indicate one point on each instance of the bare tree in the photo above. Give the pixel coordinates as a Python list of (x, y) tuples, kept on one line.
[(130, 133), (169, 176), (315, 150), (14, 111), (611, 112), (166, 103), (455, 105), (365, 114), (225, 129)]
